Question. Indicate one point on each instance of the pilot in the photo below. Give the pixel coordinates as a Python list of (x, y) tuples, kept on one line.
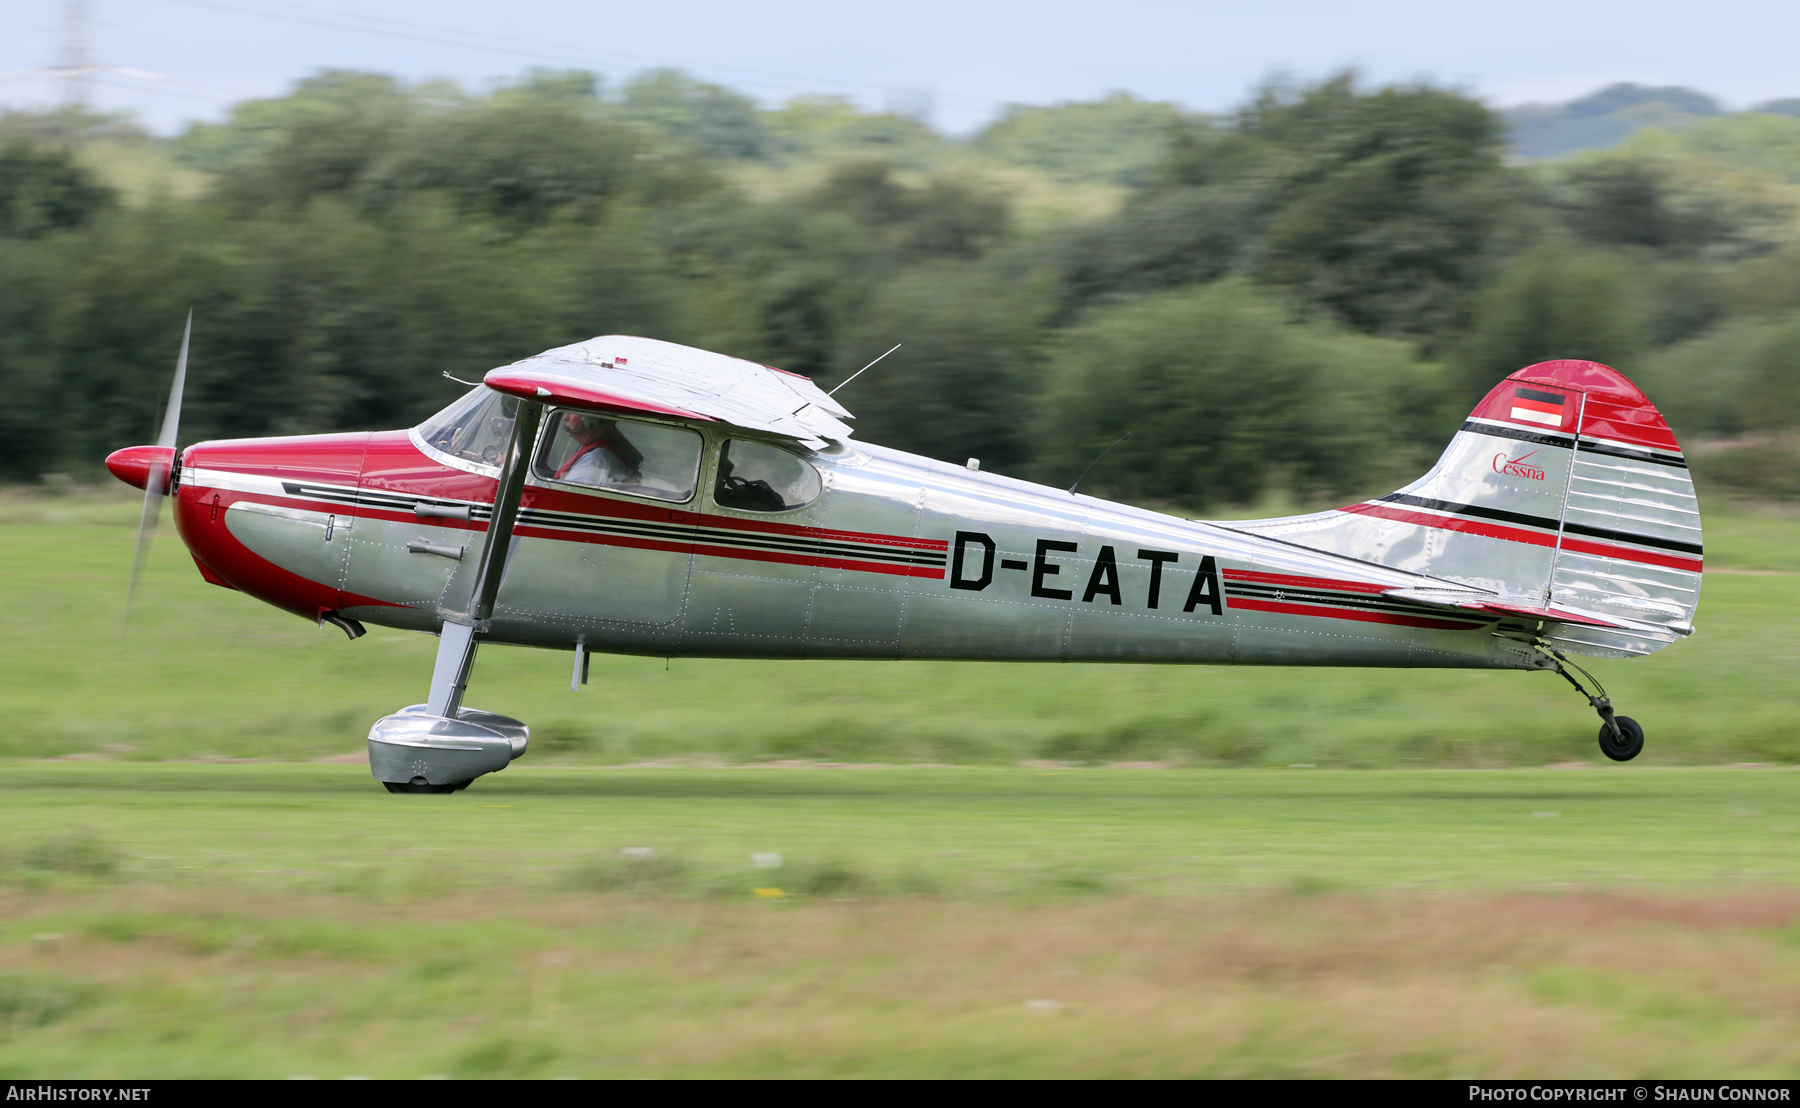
[(602, 455)]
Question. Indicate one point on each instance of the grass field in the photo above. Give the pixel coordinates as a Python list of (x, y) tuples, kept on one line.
[(165, 911), (261, 920)]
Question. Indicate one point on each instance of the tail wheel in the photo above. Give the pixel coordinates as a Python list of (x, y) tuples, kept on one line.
[(419, 785), (1626, 745)]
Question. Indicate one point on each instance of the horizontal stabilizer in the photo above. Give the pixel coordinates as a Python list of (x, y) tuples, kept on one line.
[(1494, 605)]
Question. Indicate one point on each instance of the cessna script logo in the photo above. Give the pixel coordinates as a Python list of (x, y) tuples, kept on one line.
[(1518, 467)]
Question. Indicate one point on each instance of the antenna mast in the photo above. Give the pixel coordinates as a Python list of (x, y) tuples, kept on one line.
[(76, 62)]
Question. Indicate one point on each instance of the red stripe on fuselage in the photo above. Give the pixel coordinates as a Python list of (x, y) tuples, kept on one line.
[(770, 527), (1302, 582), (1454, 523), (634, 542), (1286, 607), (699, 545), (1533, 538), (696, 544), (815, 560)]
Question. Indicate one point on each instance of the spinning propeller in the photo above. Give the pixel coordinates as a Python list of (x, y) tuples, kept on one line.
[(160, 460)]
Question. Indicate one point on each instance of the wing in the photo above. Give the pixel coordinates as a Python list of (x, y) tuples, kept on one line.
[(624, 374)]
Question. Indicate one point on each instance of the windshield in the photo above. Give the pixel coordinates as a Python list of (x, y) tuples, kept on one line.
[(476, 428)]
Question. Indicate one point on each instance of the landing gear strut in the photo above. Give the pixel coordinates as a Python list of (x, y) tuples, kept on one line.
[(440, 746), (1620, 736)]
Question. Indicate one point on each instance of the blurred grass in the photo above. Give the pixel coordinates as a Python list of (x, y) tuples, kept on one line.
[(978, 831), (255, 920), (205, 672)]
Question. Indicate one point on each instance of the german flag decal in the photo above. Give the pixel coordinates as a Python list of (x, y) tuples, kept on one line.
[(1537, 406)]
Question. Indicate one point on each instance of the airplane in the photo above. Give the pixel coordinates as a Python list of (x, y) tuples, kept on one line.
[(634, 496)]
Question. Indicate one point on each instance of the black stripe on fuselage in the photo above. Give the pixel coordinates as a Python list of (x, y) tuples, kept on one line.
[(333, 493), (1543, 522), (1497, 514), (1361, 601), (799, 545), (702, 537), (386, 501), (614, 525)]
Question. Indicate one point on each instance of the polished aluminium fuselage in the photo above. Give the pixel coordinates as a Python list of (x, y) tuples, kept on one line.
[(899, 557)]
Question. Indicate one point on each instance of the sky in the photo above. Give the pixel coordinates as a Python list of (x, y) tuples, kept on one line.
[(962, 60)]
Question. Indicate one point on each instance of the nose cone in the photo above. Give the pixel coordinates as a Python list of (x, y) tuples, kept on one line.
[(133, 464)]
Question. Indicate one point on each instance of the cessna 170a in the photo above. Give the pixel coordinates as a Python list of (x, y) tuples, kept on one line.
[(634, 496)]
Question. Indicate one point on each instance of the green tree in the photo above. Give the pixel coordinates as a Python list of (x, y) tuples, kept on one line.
[(1556, 301), (1118, 138), (832, 127), (1685, 208), (43, 190), (1165, 239), (1223, 395), (322, 139), (1378, 209), (946, 217), (772, 282), (1741, 376), (963, 383), (521, 158), (714, 121), (1386, 202)]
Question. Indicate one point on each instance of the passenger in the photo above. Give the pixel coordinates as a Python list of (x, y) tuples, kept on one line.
[(602, 455)]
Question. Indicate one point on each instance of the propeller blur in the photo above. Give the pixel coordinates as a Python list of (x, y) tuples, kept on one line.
[(628, 495), (157, 463)]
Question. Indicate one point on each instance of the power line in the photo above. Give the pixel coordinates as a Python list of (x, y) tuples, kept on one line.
[(155, 90), (519, 47), (76, 63)]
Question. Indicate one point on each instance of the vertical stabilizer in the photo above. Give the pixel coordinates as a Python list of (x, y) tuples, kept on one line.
[(1565, 490)]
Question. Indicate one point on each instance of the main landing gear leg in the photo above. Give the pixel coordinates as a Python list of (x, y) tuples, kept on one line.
[(440, 746), (1620, 736)]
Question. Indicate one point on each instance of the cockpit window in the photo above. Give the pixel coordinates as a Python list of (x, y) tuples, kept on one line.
[(621, 455), (476, 428), (757, 477)]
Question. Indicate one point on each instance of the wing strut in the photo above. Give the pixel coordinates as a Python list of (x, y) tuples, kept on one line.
[(440, 746), (458, 640), (494, 553)]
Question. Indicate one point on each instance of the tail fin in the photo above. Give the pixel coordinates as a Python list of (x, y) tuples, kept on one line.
[(1564, 494)]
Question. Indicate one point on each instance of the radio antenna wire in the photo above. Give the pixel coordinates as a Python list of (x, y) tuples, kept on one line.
[(1096, 460), (863, 370)]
